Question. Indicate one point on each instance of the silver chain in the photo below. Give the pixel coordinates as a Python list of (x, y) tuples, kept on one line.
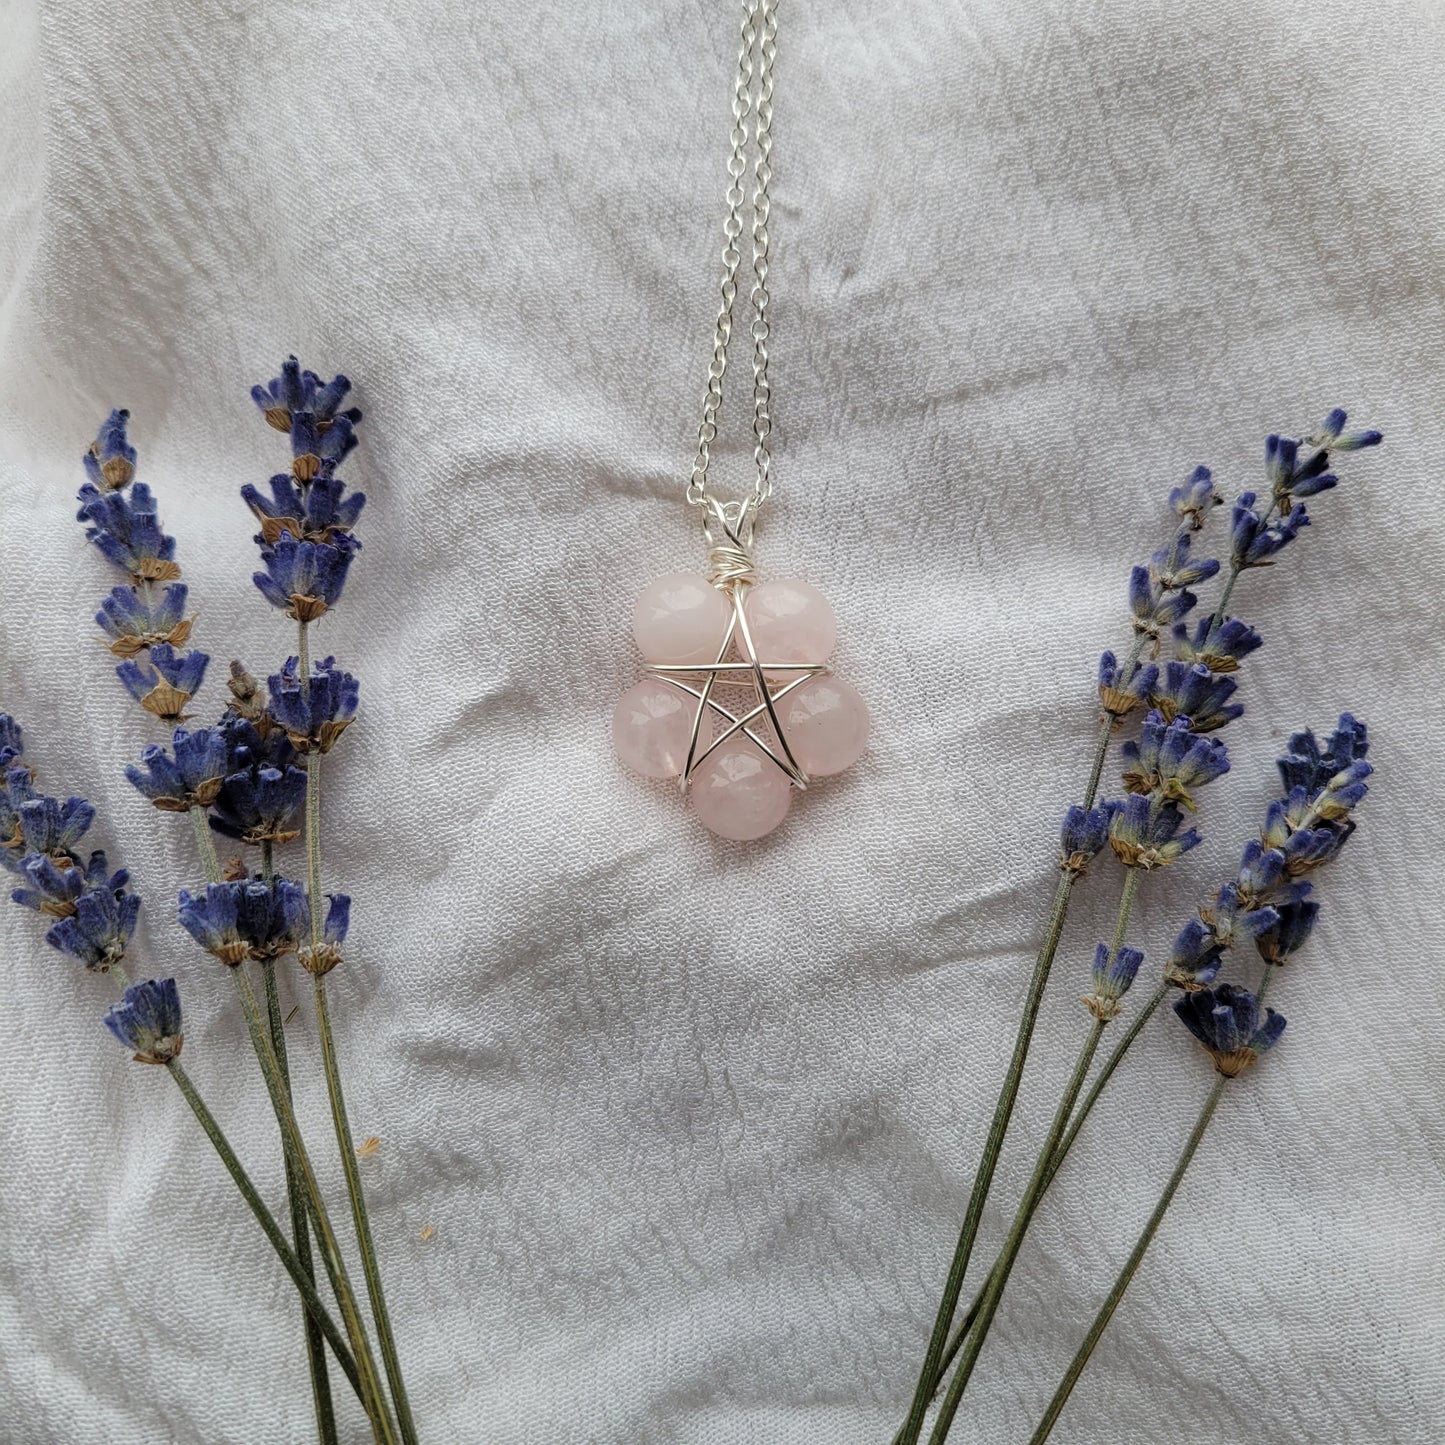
[(759, 32)]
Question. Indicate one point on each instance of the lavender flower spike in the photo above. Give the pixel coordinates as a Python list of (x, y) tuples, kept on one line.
[(126, 528), (133, 624), (1226, 1022), (1155, 606), (1195, 498), (240, 920), (1113, 974), (1294, 922), (148, 1021), (50, 827), (100, 929), (1219, 647), (1085, 832), (1123, 688), (317, 446), (1195, 960), (305, 578), (313, 514), (1307, 765), (1169, 760), (1145, 833), (166, 682), (263, 792), (1334, 437), (1254, 541), (316, 710), (297, 391), (191, 778), (110, 462), (1191, 690), (1232, 916), (56, 888)]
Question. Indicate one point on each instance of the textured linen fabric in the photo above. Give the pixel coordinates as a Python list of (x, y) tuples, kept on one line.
[(694, 1123)]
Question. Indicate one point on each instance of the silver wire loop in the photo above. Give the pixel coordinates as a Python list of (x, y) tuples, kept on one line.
[(728, 527)]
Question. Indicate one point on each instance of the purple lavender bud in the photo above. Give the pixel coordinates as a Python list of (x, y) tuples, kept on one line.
[(147, 1020), (110, 462), (1226, 1021)]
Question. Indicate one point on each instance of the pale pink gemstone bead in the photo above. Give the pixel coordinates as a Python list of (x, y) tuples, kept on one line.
[(790, 622), (739, 794), (826, 724), (681, 620), (652, 727)]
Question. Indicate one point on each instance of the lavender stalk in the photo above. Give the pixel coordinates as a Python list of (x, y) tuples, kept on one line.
[(1122, 688), (207, 765), (307, 548)]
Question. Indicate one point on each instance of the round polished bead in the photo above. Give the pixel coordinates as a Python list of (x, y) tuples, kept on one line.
[(681, 620), (791, 622), (652, 727), (826, 724), (740, 794)]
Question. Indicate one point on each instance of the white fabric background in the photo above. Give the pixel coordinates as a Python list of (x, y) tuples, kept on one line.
[(694, 1123)]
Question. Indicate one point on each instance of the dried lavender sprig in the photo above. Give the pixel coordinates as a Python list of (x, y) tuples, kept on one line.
[(1191, 685), (307, 548), (149, 634), (95, 916), (1122, 688), (123, 522), (217, 921)]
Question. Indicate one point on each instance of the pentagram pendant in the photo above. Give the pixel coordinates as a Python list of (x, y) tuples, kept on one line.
[(740, 704)]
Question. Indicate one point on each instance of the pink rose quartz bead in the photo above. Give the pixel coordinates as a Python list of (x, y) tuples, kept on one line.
[(826, 724), (738, 793), (652, 727), (681, 620), (790, 622)]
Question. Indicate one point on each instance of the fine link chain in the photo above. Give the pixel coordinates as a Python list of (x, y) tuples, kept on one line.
[(759, 31)]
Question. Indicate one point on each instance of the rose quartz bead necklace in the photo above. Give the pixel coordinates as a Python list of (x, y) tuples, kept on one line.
[(739, 703)]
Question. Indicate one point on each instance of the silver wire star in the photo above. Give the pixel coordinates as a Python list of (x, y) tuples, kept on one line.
[(746, 671)]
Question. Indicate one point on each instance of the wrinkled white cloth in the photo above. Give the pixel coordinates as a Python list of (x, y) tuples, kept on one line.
[(694, 1123)]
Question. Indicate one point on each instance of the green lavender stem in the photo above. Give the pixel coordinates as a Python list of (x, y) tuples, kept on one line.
[(295, 1198), (344, 1140), (372, 1397), (383, 1428), (301, 1276), (983, 1179), (1111, 1303), (1003, 1111), (237, 1171), (300, 1232), (1076, 1122), (933, 1362), (993, 1291)]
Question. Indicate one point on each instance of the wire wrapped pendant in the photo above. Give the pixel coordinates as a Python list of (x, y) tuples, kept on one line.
[(739, 704)]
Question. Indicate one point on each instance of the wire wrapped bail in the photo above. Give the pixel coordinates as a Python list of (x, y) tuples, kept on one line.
[(729, 527)]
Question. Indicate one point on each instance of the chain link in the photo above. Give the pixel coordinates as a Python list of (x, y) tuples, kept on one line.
[(759, 32)]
